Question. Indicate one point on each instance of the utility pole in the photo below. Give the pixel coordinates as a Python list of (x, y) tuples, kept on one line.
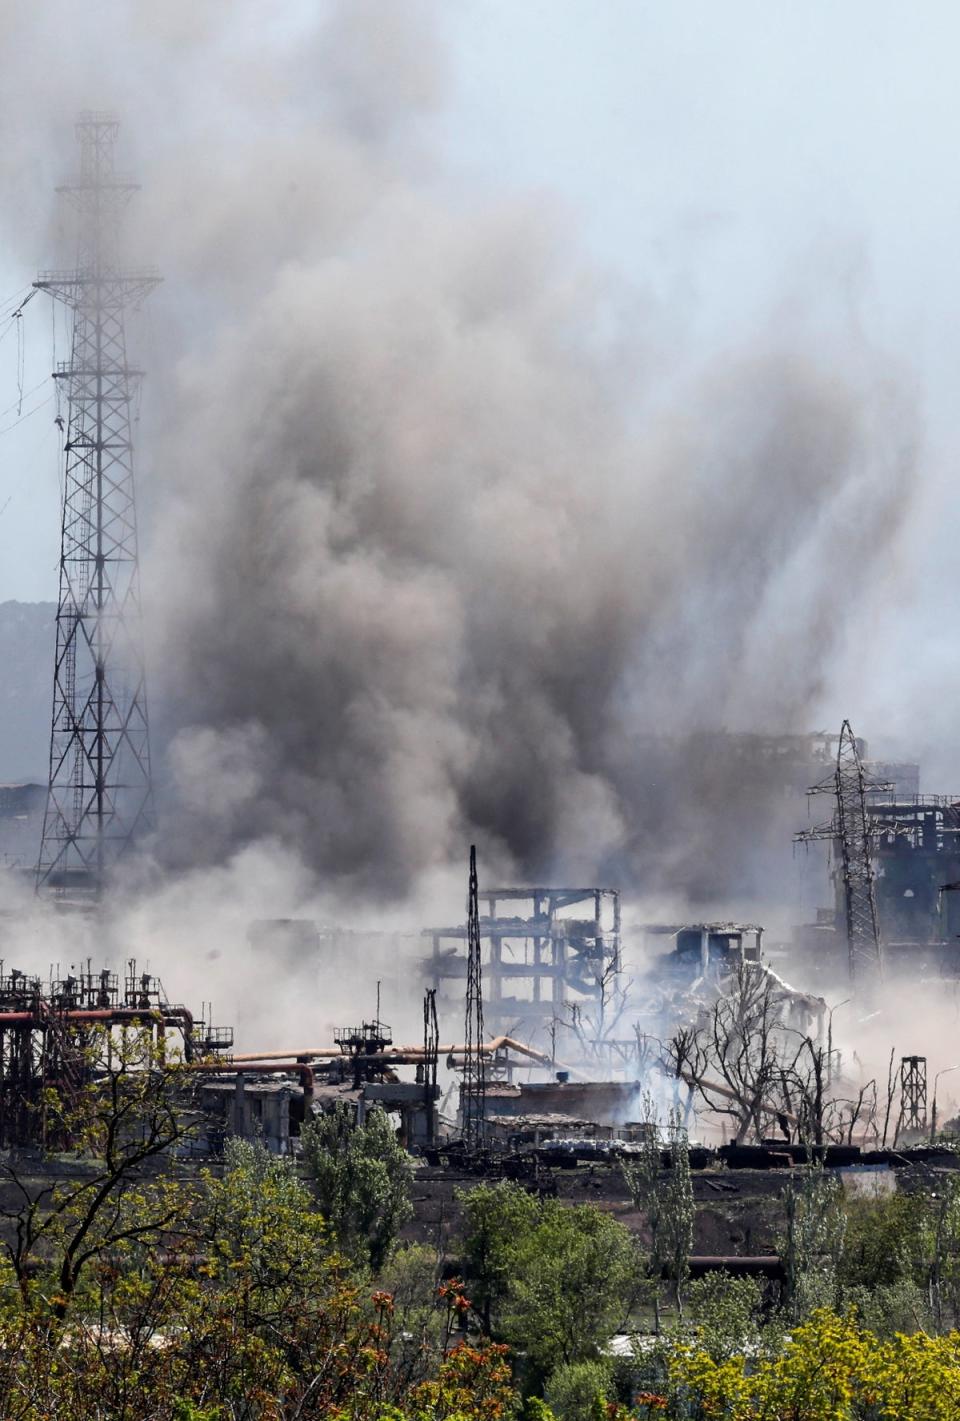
[(431, 1052), (100, 794), (851, 832), (473, 1103)]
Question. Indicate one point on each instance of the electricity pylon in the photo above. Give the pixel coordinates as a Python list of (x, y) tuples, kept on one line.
[(100, 794), (850, 831)]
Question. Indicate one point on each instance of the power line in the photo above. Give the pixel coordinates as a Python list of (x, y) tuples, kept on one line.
[(22, 419)]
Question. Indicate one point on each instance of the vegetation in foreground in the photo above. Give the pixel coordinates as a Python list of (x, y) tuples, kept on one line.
[(133, 1291)]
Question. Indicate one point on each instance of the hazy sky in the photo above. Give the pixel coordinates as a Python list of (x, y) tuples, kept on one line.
[(725, 164), (732, 158)]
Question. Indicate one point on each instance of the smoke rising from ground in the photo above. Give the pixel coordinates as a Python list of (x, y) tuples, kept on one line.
[(442, 523)]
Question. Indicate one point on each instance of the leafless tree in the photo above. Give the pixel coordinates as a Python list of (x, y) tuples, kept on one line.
[(742, 1063)]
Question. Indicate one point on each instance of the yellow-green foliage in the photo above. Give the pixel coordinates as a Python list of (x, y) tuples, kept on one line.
[(830, 1369)]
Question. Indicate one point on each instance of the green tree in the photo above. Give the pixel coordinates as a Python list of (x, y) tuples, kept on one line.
[(555, 1280), (812, 1243), (411, 1276), (727, 1314), (665, 1197), (575, 1279), (900, 1263), (496, 1217), (362, 1177), (115, 1130)]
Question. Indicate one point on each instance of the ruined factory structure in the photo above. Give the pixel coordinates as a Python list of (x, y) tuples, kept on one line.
[(63, 1035), (544, 950), (554, 1015)]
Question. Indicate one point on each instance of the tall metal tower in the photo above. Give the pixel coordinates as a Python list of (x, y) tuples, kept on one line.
[(99, 794), (474, 1092), (851, 831), (913, 1092)]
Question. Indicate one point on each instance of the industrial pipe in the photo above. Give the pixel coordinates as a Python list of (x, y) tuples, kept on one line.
[(411, 1055), (186, 1027), (119, 1015)]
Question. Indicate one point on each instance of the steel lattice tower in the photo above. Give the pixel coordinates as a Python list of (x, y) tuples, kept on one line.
[(851, 832), (99, 793), (913, 1092), (473, 1108)]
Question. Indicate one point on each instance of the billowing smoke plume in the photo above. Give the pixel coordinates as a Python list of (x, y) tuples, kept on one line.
[(444, 530)]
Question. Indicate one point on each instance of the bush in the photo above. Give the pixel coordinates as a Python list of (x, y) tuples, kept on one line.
[(830, 1369), (577, 1391)]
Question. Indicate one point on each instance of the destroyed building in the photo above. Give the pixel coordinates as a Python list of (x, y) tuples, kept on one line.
[(553, 953)]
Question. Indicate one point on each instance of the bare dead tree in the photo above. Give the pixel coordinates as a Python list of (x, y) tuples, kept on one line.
[(595, 1029), (734, 1057), (743, 1064)]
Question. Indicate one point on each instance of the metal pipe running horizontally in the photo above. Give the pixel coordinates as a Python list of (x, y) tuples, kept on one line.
[(410, 1055), (82, 1016)]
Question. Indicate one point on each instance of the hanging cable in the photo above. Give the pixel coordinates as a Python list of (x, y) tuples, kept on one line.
[(26, 395), (42, 405), (16, 301), (20, 361), (25, 302), (21, 344)]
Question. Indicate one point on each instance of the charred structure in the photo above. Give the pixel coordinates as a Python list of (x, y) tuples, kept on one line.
[(561, 953)]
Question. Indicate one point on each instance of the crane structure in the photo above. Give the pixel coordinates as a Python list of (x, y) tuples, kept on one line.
[(851, 832), (99, 796), (473, 1092)]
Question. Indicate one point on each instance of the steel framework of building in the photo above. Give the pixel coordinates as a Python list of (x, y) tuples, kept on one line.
[(99, 794), (473, 1094), (851, 831), (541, 966)]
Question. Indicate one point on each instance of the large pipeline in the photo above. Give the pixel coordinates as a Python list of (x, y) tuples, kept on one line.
[(410, 1055), (110, 1016)]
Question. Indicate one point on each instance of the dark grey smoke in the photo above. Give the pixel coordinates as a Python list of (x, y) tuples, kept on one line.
[(436, 541)]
